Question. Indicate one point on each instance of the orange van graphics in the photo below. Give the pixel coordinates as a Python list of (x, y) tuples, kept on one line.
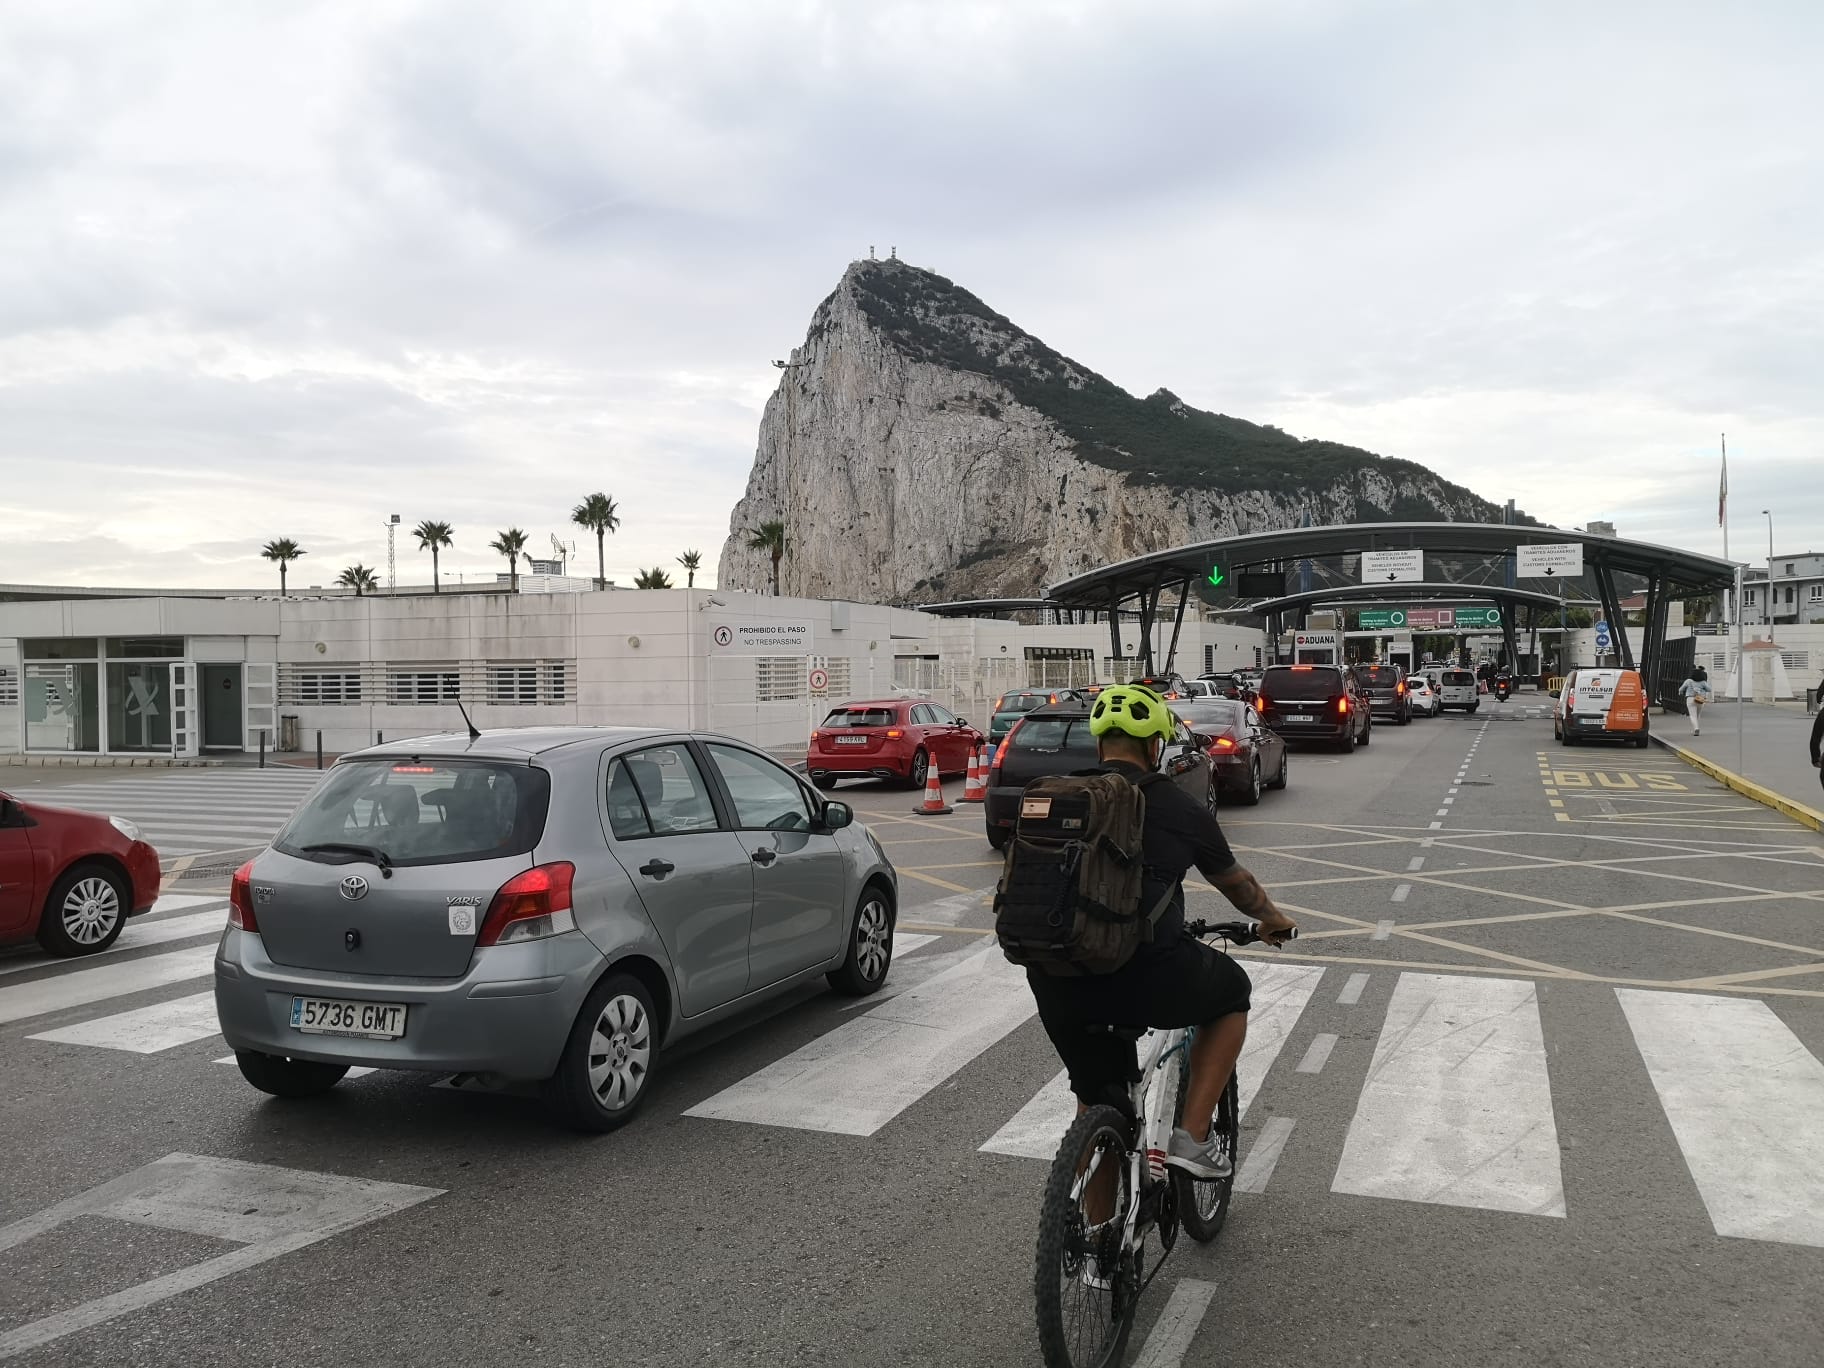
[(1602, 702)]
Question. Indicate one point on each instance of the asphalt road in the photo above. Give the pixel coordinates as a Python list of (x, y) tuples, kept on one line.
[(1540, 1085)]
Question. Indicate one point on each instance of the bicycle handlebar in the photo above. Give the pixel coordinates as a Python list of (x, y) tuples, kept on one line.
[(1234, 932)]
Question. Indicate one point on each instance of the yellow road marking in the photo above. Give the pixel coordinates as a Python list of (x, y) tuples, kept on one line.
[(941, 883)]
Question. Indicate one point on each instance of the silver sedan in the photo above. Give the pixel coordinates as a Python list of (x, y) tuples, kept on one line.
[(551, 904)]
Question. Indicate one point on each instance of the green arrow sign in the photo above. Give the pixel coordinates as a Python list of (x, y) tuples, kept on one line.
[(1216, 575)]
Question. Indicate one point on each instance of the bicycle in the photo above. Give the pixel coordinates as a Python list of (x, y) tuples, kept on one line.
[(1090, 1273)]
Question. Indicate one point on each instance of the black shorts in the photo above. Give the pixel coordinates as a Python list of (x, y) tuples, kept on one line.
[(1186, 984)]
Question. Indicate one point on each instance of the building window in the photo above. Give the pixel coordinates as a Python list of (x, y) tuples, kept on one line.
[(778, 679), (1796, 660), (426, 684), (1816, 593), (1789, 597), (319, 688), (1789, 567), (58, 648), (1748, 598), (9, 689), (513, 685), (145, 648), (557, 682)]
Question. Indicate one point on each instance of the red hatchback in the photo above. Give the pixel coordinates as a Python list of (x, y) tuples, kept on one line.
[(70, 878), (893, 738)]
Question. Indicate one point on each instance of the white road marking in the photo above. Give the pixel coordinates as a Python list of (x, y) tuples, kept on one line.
[(905, 942), (1434, 826), (1382, 930), (1352, 990), (1317, 1055), (1442, 812), (357, 1071), (145, 1030), (1746, 1102), (1457, 1108), (861, 1075), (1257, 1169), (1401, 892), (1415, 864), (1171, 1335), (1280, 994), (137, 935), (84, 986), (269, 1211)]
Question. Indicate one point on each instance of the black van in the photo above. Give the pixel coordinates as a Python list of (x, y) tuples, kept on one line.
[(1385, 686), (1315, 703)]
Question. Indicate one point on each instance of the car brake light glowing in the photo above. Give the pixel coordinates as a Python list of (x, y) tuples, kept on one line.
[(1342, 705), (1260, 702), (1301, 667), (240, 900), (894, 733), (414, 769), (1400, 688), (1223, 743), (531, 906)]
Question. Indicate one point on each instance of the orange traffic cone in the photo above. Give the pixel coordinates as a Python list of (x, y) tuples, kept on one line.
[(975, 787), (934, 804)]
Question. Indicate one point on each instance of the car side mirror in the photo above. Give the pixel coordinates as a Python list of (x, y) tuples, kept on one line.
[(836, 816), (1557, 693), (962, 721), (1200, 741)]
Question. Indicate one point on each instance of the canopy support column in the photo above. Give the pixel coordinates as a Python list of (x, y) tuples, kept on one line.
[(1184, 596)]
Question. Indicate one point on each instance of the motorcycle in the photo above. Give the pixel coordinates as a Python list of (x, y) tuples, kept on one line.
[(1503, 687)]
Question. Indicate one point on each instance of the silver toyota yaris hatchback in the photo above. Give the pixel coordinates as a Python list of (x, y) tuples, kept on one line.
[(550, 904)]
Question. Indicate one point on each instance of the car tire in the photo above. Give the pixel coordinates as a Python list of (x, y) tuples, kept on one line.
[(1641, 741), (1285, 762), (1347, 743), (826, 782), (998, 837), (1406, 718), (1251, 794), (919, 770), (1472, 707), (1367, 734), (864, 968), (586, 1077), (1567, 738), (283, 1077), (85, 912)]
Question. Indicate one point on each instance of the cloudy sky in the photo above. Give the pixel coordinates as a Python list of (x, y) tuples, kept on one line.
[(281, 270)]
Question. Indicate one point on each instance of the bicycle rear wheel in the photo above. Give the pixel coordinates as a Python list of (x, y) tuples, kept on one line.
[(1085, 1284), (1203, 1203)]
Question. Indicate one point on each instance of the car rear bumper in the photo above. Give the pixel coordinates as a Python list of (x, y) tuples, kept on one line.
[(1329, 730), (1594, 724), (1001, 806), (824, 765), (509, 1015), (1234, 771)]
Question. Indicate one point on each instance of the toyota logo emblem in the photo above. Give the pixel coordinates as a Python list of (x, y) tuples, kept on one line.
[(354, 888)]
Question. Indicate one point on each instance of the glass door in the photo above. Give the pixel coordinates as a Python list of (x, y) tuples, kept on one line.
[(184, 739)]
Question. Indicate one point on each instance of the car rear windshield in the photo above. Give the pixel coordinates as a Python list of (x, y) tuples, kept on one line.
[(1022, 703), (860, 717), (420, 811), (1211, 715), (1319, 681), (1378, 676), (1051, 733), (1456, 677)]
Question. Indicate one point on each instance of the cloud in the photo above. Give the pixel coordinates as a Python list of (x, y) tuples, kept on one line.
[(283, 272)]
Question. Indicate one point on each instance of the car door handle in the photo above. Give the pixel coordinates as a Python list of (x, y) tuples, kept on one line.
[(657, 869), (764, 856)]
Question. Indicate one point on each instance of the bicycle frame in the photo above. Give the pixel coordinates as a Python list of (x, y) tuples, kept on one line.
[(1153, 1096)]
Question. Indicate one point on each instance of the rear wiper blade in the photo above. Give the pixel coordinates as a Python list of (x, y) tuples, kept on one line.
[(373, 853)]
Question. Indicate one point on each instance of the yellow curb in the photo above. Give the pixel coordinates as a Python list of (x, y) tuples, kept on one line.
[(1805, 816)]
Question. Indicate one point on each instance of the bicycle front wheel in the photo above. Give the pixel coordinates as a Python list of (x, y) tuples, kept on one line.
[(1085, 1284), (1203, 1203)]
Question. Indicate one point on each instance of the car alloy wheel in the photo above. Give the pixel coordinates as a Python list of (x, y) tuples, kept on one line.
[(620, 1052), (90, 910), (921, 769), (873, 938)]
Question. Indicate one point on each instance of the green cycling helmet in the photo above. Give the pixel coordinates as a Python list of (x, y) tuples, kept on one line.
[(1133, 709)]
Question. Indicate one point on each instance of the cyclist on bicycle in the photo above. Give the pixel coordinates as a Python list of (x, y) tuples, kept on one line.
[(1175, 980)]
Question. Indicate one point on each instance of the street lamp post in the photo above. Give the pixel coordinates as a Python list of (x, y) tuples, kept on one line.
[(392, 565), (1767, 513)]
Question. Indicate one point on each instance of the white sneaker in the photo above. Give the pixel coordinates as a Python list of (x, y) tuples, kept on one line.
[(1199, 1158)]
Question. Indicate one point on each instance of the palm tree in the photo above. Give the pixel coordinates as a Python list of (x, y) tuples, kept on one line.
[(692, 561), (598, 514), (769, 537), (284, 551), (511, 544), (359, 578), (655, 578), (432, 536)]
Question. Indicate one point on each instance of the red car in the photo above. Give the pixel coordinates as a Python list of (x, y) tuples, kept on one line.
[(70, 878), (892, 738)]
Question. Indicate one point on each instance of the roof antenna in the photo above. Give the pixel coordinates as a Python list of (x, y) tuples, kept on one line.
[(474, 735)]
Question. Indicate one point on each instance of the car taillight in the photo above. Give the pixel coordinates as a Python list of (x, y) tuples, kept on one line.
[(1000, 751), (1400, 688), (1260, 702), (1342, 705), (531, 906), (240, 900), (1223, 743), (894, 733)]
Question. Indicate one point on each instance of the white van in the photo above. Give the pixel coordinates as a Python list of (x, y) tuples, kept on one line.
[(1455, 689), (1601, 702)]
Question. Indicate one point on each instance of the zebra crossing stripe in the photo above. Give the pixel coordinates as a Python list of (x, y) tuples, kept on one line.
[(145, 1030), (1745, 1100), (868, 1070), (84, 986), (138, 935), (1457, 1107), (1281, 992), (1172, 1334)]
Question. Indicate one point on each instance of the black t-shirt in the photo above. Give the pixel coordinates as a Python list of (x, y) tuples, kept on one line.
[(1178, 835)]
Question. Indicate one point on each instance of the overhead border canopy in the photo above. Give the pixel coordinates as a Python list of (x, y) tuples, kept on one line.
[(995, 607), (1669, 573), (1339, 593)]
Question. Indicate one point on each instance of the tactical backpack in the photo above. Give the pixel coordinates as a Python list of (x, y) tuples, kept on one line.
[(1068, 902)]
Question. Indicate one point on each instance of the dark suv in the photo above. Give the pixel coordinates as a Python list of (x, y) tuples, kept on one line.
[(1055, 739), (1315, 703), (1385, 686)]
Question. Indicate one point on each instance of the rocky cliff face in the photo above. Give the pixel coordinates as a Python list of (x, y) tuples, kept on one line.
[(921, 447)]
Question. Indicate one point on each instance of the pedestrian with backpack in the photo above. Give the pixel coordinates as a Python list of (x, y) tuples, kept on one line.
[(1091, 902)]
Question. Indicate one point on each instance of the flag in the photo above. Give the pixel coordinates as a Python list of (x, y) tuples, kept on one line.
[(1722, 496)]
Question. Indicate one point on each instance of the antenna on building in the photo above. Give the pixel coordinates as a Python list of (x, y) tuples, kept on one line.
[(392, 560), (893, 254), (870, 251)]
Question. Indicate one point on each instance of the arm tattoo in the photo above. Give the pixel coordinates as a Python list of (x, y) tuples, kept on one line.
[(1243, 890)]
